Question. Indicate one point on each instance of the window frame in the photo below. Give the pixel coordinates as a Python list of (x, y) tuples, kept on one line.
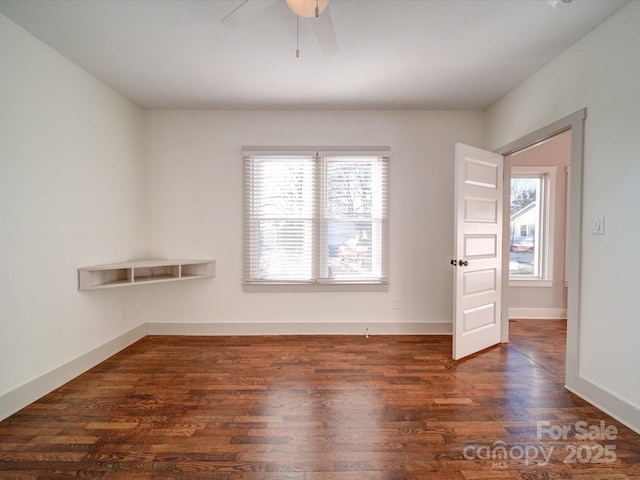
[(320, 256), (546, 219)]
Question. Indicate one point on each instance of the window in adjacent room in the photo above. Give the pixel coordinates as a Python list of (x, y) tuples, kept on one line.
[(531, 229), (316, 217)]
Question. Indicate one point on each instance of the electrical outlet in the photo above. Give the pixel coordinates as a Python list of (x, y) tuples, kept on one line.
[(395, 304)]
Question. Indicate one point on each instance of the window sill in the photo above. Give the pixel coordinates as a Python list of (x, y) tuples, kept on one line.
[(530, 283), (314, 287)]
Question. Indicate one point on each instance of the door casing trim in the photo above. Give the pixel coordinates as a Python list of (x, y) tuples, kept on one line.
[(575, 123)]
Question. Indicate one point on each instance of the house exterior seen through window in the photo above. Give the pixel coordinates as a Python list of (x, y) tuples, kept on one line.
[(530, 228)]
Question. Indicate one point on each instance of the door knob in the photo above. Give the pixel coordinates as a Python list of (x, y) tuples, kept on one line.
[(463, 263)]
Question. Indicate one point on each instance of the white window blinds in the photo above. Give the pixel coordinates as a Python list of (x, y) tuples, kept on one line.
[(316, 217)]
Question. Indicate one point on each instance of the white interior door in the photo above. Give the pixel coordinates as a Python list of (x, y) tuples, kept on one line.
[(478, 250)]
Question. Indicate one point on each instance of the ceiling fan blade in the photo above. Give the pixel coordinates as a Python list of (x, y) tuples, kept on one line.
[(323, 28), (244, 11)]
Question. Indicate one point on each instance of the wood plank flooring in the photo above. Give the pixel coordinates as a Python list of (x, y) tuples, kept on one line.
[(318, 408), (542, 341)]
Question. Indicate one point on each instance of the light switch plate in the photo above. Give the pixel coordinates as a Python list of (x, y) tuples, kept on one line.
[(598, 226)]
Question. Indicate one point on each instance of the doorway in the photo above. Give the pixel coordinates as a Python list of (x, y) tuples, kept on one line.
[(573, 123), (537, 230)]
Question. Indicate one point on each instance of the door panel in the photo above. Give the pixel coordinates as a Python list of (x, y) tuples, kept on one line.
[(480, 246), (478, 250), (480, 173), (482, 281), (480, 210), (477, 318)]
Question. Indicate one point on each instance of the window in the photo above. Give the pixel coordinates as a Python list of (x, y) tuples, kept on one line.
[(316, 217), (531, 229)]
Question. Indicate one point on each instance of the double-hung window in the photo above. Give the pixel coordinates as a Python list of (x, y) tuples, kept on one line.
[(316, 217), (532, 218)]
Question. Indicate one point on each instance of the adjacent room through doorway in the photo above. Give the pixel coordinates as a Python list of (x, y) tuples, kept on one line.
[(537, 230), (538, 246)]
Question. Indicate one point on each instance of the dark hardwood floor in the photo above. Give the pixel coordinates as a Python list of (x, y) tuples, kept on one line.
[(320, 407), (541, 341)]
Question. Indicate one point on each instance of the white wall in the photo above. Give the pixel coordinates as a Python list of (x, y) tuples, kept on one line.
[(195, 188), (547, 301), (602, 72), (71, 195)]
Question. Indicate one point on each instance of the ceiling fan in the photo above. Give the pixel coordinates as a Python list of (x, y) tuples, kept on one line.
[(316, 11)]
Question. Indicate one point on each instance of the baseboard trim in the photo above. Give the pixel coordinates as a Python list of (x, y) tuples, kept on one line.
[(20, 397), (537, 313), (316, 328), (610, 403)]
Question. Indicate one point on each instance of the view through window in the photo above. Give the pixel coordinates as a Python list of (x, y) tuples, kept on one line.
[(317, 218), (532, 218), (526, 226)]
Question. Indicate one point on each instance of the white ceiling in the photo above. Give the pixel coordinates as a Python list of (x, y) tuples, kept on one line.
[(433, 54)]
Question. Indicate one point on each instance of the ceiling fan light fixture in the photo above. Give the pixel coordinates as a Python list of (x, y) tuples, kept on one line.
[(558, 3), (307, 8)]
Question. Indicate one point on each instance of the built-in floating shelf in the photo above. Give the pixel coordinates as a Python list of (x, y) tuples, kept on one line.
[(142, 272)]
